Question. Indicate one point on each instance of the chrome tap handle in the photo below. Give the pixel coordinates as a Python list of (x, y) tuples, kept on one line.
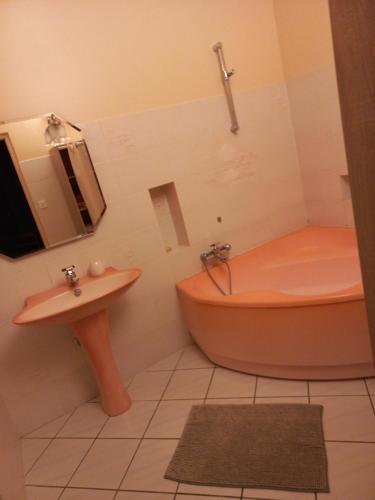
[(68, 269), (221, 247), (70, 275)]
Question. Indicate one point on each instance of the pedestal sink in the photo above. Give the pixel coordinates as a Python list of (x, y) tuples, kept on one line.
[(87, 316)]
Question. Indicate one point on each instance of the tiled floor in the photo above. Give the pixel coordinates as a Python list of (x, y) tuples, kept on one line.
[(88, 456)]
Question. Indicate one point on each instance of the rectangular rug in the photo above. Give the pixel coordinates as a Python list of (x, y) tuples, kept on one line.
[(273, 446)]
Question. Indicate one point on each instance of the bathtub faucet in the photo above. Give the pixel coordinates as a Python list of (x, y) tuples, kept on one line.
[(217, 251)]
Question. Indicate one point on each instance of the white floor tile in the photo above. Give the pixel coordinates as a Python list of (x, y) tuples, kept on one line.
[(168, 363), (283, 400), (193, 357), (338, 388), (170, 418), (42, 493), (77, 494), (57, 464), (149, 385), (105, 464), (347, 418), (228, 383), (348, 415), (351, 469), (51, 429), (188, 384), (31, 451), (208, 490), (277, 494), (86, 422), (130, 424), (279, 387), (137, 495), (229, 401), (149, 465)]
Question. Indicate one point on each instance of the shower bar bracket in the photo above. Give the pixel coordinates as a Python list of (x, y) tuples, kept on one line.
[(225, 77)]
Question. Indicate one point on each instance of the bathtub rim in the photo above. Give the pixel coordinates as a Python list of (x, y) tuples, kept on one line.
[(272, 298)]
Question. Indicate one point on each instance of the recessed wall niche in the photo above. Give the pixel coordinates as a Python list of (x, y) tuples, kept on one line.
[(169, 216)]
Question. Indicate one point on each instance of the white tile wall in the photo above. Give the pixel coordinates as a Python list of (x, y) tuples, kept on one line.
[(317, 124), (252, 181)]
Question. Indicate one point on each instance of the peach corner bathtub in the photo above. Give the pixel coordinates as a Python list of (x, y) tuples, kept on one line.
[(297, 309)]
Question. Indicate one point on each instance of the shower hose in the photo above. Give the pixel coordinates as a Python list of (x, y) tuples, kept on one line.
[(215, 282)]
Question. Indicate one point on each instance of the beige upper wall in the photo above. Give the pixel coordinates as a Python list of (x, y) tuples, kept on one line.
[(88, 59), (304, 34)]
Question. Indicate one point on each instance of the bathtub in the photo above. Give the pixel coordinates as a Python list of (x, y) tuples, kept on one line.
[(297, 309)]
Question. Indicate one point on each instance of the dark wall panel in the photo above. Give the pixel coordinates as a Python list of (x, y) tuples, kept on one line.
[(19, 234), (353, 30)]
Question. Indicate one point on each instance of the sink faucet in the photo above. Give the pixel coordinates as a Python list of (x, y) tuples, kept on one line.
[(70, 275)]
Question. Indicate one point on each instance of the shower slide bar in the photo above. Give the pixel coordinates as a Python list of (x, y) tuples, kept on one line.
[(225, 76)]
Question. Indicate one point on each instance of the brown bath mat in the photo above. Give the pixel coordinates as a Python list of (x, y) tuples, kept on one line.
[(274, 446)]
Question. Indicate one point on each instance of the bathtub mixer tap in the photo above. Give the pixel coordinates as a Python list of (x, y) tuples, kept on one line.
[(217, 251)]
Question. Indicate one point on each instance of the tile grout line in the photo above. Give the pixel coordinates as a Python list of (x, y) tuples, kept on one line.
[(259, 397), (308, 391), (53, 438), (174, 371), (84, 488), (71, 487), (175, 494), (178, 369), (204, 399), (255, 389), (149, 423), (37, 458), (204, 402), (369, 395), (49, 444), (27, 436), (209, 384), (309, 402), (348, 441), (84, 456), (254, 398), (216, 497)]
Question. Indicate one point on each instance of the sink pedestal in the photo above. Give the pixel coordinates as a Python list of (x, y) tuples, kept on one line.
[(93, 335)]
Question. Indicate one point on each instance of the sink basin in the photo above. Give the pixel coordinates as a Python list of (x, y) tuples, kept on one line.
[(87, 316), (60, 305)]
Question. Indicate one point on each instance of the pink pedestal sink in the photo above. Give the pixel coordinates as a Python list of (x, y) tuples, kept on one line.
[(87, 316)]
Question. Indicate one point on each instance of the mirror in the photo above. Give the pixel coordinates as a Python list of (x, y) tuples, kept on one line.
[(49, 192)]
